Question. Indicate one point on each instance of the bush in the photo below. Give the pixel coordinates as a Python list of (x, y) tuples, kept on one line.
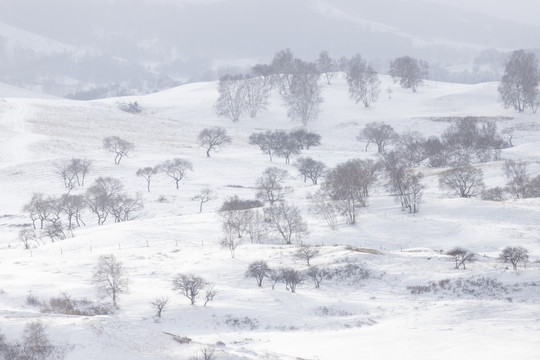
[(64, 304), (245, 323), (351, 273), (478, 288), (130, 107)]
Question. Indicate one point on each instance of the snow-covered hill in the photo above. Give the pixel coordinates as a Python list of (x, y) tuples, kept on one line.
[(376, 318)]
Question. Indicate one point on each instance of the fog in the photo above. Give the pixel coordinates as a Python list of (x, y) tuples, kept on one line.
[(166, 41)]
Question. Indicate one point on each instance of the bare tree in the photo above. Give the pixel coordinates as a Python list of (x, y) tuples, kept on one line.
[(80, 167), (283, 67), (305, 138), (159, 304), (213, 138), (274, 276), (99, 196), (406, 187), (465, 181), (310, 169), (209, 294), (519, 85), (408, 71), (38, 208), (123, 207), (460, 256), (514, 255), (347, 185), (317, 275), (110, 277), (118, 146), (68, 175), (232, 97), (517, 178), (231, 241), (189, 285), (378, 133), (304, 98), (325, 208), (363, 81), (326, 66), (257, 90), (35, 343), (286, 221), (28, 236), (258, 270), (270, 185), (147, 174), (291, 278), (306, 253), (176, 169), (204, 196), (508, 135)]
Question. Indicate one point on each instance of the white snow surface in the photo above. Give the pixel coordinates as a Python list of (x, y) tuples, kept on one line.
[(377, 318)]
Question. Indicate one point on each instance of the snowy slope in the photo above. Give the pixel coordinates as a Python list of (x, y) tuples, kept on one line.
[(377, 318)]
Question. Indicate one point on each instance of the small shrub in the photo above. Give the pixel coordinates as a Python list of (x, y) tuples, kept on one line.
[(245, 323), (130, 107), (351, 273), (32, 300), (64, 304)]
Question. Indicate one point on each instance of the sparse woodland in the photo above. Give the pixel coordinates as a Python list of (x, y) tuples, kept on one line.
[(291, 204)]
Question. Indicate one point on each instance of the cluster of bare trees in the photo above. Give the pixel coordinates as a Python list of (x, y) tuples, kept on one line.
[(176, 169), (466, 141), (284, 144), (74, 170), (104, 198), (510, 254)]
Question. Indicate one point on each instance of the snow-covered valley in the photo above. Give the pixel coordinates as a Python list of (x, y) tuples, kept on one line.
[(376, 318)]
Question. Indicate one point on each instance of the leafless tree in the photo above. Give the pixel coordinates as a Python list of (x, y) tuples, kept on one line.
[(304, 98), (274, 276), (159, 304), (38, 209), (231, 240), (286, 222), (258, 270), (411, 145), (80, 167), (324, 207), (519, 85), (189, 285), (35, 343), (118, 146), (407, 188), (317, 275), (514, 255), (257, 92), (305, 138), (208, 352), (68, 175), (209, 294), (291, 278), (326, 66), (408, 71), (306, 253), (204, 196), (378, 133), (27, 237), (494, 194), (110, 277), (465, 181), (176, 169), (270, 185), (517, 178), (98, 197), (347, 185), (310, 169), (232, 97), (213, 138), (460, 256), (283, 67), (363, 81), (147, 173), (123, 207), (508, 135)]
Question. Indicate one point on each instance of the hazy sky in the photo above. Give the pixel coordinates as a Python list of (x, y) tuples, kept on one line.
[(526, 11)]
